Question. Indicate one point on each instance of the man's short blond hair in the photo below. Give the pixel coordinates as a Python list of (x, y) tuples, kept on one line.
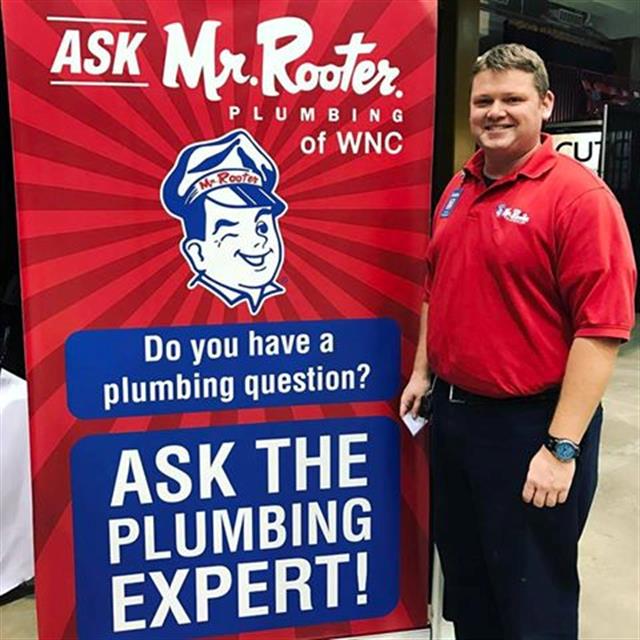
[(503, 57)]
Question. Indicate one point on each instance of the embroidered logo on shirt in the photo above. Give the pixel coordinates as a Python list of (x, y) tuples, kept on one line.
[(451, 203), (512, 215)]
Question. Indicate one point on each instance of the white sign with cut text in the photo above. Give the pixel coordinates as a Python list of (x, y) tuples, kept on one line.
[(583, 146)]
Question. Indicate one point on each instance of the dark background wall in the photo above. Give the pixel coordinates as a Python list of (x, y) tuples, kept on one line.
[(11, 345)]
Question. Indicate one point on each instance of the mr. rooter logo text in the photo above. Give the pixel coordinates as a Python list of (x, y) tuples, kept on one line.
[(87, 58)]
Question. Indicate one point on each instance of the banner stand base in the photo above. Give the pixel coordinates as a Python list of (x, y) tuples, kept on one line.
[(441, 629)]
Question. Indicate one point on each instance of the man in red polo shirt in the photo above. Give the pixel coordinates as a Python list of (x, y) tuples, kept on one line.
[(528, 293)]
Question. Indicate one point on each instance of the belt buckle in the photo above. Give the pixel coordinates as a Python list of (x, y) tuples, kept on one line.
[(453, 400)]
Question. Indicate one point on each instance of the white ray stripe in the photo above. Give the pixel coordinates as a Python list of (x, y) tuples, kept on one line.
[(103, 20), (87, 83)]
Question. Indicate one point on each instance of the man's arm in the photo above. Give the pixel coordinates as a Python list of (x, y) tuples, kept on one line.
[(419, 381), (589, 368)]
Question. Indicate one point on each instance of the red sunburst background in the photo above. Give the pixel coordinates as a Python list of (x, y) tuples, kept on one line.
[(98, 250)]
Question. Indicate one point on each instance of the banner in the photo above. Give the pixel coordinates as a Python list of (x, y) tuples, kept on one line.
[(222, 211), (580, 144)]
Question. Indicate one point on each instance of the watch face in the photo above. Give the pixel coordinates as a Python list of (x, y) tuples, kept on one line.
[(564, 451)]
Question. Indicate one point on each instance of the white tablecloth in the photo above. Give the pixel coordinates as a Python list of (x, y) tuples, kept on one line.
[(16, 529)]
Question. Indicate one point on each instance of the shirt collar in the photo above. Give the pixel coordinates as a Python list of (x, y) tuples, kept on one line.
[(539, 163), (232, 296)]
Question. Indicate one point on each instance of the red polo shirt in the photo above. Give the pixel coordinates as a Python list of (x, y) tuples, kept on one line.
[(517, 270)]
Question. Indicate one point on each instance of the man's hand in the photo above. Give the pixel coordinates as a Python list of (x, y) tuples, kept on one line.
[(549, 480), (413, 393)]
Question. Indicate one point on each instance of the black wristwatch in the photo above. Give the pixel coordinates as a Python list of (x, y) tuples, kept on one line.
[(563, 449)]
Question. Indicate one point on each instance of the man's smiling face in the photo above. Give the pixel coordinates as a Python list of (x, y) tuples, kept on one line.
[(507, 112), (242, 246)]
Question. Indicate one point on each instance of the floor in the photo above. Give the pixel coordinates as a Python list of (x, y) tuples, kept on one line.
[(610, 548)]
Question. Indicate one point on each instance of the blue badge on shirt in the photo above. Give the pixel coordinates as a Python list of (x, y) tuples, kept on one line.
[(451, 203)]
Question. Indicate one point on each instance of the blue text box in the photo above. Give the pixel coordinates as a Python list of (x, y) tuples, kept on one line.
[(215, 531), (130, 372)]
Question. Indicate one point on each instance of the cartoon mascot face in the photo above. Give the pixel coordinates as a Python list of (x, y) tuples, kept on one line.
[(223, 191)]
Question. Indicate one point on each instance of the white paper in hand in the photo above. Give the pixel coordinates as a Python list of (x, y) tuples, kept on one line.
[(413, 424)]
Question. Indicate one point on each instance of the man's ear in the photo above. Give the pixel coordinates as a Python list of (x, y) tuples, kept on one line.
[(192, 250), (547, 105)]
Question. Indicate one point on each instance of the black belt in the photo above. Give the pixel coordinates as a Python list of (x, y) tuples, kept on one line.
[(460, 396)]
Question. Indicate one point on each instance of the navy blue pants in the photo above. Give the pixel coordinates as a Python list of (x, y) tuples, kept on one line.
[(510, 568)]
